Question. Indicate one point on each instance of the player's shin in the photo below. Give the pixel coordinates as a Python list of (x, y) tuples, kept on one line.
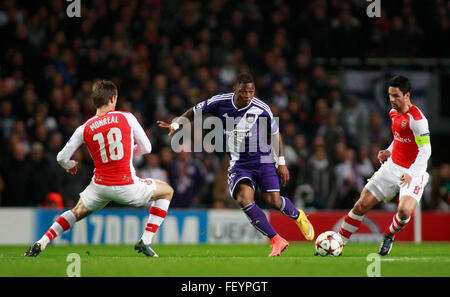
[(259, 220), (288, 208), (158, 212), (62, 224), (349, 226)]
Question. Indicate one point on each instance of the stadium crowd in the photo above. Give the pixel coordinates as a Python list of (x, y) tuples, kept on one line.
[(166, 56)]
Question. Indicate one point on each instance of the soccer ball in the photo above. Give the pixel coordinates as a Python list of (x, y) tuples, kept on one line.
[(329, 243)]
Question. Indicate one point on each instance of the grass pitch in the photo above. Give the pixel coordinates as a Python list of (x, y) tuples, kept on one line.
[(228, 260)]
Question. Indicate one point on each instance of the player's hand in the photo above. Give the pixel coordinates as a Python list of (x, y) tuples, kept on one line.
[(383, 155), (74, 169), (405, 179), (167, 126), (283, 173)]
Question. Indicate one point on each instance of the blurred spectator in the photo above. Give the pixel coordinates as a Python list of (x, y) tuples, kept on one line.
[(441, 188), (54, 200), (152, 169), (6, 118), (346, 32), (354, 119), (331, 132), (379, 132), (16, 173), (365, 167), (349, 181), (221, 196), (319, 176), (186, 176), (211, 166), (39, 179), (279, 95)]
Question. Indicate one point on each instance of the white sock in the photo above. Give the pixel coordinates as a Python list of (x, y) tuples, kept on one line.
[(62, 224), (158, 212)]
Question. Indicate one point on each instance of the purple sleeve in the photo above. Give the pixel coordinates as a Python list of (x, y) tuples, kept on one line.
[(206, 106)]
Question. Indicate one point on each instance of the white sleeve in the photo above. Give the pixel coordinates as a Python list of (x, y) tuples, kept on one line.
[(422, 138), (143, 145), (63, 157)]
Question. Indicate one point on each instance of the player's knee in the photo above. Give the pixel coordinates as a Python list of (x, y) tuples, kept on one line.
[(404, 213), (273, 202), (78, 212), (243, 200), (361, 207), (170, 192)]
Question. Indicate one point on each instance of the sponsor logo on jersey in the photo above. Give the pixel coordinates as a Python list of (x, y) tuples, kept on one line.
[(401, 139), (239, 134), (251, 118)]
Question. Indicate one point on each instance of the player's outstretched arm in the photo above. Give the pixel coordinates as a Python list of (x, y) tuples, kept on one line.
[(188, 114)]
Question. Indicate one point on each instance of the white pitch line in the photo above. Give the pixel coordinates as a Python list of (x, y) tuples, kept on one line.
[(415, 259)]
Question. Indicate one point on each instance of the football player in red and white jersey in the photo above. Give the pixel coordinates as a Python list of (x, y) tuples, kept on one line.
[(403, 168), (113, 138)]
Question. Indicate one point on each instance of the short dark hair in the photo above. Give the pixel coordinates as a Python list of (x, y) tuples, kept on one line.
[(244, 78), (401, 82), (102, 91)]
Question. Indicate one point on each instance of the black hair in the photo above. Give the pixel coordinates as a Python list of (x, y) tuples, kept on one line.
[(244, 78), (401, 82)]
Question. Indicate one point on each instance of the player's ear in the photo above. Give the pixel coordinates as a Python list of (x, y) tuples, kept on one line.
[(408, 95)]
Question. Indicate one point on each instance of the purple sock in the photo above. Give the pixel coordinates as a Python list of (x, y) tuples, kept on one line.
[(259, 220), (288, 209)]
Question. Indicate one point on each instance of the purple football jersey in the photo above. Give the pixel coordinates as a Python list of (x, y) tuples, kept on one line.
[(247, 130)]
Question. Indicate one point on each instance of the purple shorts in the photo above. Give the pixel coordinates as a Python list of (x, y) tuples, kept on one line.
[(264, 175)]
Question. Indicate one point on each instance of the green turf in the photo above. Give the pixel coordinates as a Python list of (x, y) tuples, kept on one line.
[(238, 260)]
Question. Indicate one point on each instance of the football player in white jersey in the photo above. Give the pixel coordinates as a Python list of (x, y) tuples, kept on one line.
[(113, 138), (403, 169)]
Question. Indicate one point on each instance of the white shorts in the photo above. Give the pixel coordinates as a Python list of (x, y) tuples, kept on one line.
[(139, 194), (385, 183)]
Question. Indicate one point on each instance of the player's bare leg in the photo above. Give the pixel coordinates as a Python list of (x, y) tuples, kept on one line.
[(162, 196), (354, 218), (80, 210), (286, 207), (406, 207), (62, 224)]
